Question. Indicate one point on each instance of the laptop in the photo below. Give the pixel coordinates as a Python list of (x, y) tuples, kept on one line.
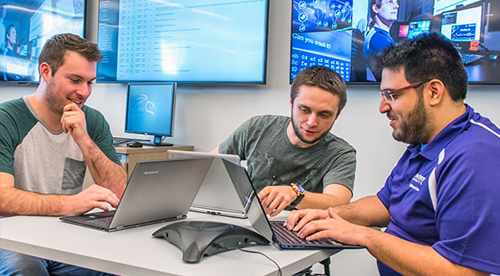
[(218, 195), (157, 191), (274, 231)]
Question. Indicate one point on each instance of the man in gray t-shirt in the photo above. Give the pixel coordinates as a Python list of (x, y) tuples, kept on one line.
[(296, 161), (47, 142)]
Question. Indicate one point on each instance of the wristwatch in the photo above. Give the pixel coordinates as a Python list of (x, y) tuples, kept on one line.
[(300, 194)]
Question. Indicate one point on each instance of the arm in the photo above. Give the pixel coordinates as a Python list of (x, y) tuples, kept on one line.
[(216, 150), (403, 256), (105, 172), (19, 202), (275, 198)]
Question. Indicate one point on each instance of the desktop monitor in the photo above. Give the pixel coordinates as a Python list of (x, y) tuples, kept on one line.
[(464, 25), (150, 110), (417, 28), (30, 24)]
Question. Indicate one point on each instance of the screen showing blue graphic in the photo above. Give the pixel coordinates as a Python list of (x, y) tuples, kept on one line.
[(463, 25), (464, 32), (150, 109), (26, 27), (347, 35), (328, 49), (417, 28), (183, 41), (321, 35), (321, 15)]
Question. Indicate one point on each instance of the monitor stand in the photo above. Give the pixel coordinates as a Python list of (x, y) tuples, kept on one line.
[(158, 143)]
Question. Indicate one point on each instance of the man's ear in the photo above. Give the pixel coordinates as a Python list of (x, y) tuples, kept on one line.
[(436, 90), (375, 8), (45, 71)]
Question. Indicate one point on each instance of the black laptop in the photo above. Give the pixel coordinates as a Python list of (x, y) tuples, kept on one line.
[(157, 191), (274, 231)]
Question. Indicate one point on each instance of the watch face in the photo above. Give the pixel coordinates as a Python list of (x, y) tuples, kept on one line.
[(300, 188)]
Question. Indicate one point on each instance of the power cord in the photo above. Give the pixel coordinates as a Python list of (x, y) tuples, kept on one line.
[(256, 252)]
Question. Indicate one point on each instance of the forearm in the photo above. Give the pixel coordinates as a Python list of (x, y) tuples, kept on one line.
[(410, 258), (105, 172), (320, 201), (367, 211), (18, 202)]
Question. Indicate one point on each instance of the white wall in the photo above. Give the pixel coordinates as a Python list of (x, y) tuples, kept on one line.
[(208, 114)]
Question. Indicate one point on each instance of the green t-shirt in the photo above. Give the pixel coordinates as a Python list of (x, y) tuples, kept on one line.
[(273, 160), (43, 161)]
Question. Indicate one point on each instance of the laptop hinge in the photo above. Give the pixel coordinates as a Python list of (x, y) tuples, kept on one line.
[(120, 227)]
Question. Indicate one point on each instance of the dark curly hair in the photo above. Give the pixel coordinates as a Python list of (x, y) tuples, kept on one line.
[(428, 56)]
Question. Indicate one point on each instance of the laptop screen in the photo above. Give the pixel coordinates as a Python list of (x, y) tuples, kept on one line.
[(255, 213)]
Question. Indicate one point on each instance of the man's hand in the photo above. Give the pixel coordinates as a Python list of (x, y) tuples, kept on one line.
[(333, 227), (275, 198), (94, 196), (73, 120), (298, 218)]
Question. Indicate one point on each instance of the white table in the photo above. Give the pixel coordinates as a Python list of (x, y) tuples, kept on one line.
[(136, 252)]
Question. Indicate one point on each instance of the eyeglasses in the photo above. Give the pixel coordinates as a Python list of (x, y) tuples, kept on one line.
[(390, 94)]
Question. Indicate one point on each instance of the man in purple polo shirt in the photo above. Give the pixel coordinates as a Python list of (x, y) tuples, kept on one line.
[(441, 202)]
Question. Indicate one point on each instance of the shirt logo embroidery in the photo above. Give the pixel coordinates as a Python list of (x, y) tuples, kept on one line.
[(418, 179)]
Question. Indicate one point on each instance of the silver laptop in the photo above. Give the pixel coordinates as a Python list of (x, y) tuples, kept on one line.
[(218, 195), (274, 231), (157, 191)]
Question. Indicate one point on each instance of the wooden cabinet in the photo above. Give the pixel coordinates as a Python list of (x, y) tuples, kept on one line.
[(130, 156)]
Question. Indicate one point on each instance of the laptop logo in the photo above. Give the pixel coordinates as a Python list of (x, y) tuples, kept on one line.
[(151, 172)]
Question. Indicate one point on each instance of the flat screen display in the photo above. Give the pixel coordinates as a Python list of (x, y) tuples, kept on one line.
[(150, 109), (183, 41), (25, 26), (441, 6), (346, 35)]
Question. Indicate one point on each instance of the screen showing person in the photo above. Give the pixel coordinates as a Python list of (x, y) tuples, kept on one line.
[(370, 26), (28, 25)]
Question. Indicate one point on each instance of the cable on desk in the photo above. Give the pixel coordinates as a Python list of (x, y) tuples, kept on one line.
[(256, 252)]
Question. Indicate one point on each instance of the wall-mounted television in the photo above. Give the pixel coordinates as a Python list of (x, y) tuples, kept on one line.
[(345, 35), (28, 25), (183, 41), (150, 110)]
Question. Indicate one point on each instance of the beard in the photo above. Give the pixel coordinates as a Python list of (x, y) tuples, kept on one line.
[(55, 105), (301, 138), (415, 128)]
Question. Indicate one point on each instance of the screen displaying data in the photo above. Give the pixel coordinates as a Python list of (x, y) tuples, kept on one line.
[(183, 41)]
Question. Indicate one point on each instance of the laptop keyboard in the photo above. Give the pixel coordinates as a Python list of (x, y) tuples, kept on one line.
[(103, 222), (470, 58), (291, 236), (120, 140)]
